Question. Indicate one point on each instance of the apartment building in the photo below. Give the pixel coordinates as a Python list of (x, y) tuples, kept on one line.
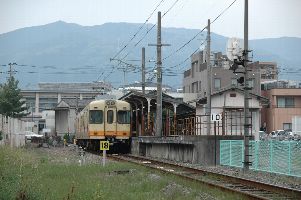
[(285, 105), (196, 80)]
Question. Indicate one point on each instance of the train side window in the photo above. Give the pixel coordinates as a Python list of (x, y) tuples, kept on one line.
[(124, 117), (96, 117), (110, 116)]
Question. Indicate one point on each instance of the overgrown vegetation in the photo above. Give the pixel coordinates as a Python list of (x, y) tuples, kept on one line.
[(11, 104), (26, 174)]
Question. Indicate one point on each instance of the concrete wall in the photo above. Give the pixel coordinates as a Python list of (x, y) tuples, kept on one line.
[(65, 121), (71, 121), (61, 121), (49, 116), (12, 131), (187, 149)]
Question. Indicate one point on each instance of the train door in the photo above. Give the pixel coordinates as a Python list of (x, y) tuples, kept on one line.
[(110, 122)]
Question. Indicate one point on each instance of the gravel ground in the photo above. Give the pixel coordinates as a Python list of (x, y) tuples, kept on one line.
[(269, 178), (70, 155)]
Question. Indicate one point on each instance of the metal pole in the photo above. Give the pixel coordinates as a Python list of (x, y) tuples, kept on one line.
[(209, 81), (246, 92), (214, 143), (159, 80), (104, 155), (143, 70), (10, 70)]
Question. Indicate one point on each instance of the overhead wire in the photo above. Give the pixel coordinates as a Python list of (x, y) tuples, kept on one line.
[(165, 13), (185, 44), (139, 29), (182, 62)]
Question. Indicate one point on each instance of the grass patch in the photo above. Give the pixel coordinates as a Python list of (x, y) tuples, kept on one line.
[(29, 174)]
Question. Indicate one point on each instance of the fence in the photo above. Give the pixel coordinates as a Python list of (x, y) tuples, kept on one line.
[(282, 157), (12, 131)]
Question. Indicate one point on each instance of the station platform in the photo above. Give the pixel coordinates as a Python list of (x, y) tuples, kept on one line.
[(202, 149)]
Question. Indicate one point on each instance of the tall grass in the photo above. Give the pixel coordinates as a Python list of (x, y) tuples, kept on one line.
[(26, 174)]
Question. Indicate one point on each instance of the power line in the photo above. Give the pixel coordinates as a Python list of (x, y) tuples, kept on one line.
[(188, 57), (199, 32), (184, 44), (223, 12), (165, 13), (170, 8), (139, 29)]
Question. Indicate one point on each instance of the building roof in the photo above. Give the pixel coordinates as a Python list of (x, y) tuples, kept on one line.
[(147, 84), (135, 97), (203, 100), (72, 103)]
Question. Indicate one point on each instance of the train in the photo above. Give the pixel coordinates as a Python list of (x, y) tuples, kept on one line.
[(104, 120)]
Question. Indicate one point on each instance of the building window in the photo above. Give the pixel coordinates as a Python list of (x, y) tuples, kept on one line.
[(200, 84), (217, 83), (287, 126), (194, 87), (251, 83), (285, 102), (233, 82), (232, 94), (192, 71)]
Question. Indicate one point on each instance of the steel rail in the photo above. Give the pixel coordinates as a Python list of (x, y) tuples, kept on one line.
[(248, 188)]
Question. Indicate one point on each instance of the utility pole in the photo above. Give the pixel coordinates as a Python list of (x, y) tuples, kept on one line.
[(159, 78), (11, 71), (247, 124), (209, 81), (127, 68), (143, 70)]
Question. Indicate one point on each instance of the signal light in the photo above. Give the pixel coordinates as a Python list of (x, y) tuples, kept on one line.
[(235, 65), (241, 80)]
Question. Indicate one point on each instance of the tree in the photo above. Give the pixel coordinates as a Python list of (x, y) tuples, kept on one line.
[(11, 104)]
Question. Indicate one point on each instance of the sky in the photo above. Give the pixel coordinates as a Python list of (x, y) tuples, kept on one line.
[(267, 18)]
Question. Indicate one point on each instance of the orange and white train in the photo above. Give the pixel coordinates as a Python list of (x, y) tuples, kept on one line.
[(101, 120)]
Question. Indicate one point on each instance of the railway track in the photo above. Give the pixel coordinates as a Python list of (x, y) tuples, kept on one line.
[(250, 189)]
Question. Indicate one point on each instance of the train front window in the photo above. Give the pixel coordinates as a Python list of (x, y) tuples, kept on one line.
[(96, 117), (110, 116), (124, 117)]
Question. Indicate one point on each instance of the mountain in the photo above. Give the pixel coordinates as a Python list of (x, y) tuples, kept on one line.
[(67, 52)]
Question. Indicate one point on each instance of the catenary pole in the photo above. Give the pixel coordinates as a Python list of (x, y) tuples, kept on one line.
[(159, 78), (247, 124), (209, 82), (143, 70)]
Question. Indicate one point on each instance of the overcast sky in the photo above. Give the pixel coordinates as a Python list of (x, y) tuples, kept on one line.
[(267, 18)]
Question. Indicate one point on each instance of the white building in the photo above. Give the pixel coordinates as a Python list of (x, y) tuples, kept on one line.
[(230, 104)]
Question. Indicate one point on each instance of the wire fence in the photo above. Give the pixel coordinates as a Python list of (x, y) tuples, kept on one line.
[(282, 157)]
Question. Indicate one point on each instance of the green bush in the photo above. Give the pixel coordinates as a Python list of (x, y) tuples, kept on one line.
[(67, 137)]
